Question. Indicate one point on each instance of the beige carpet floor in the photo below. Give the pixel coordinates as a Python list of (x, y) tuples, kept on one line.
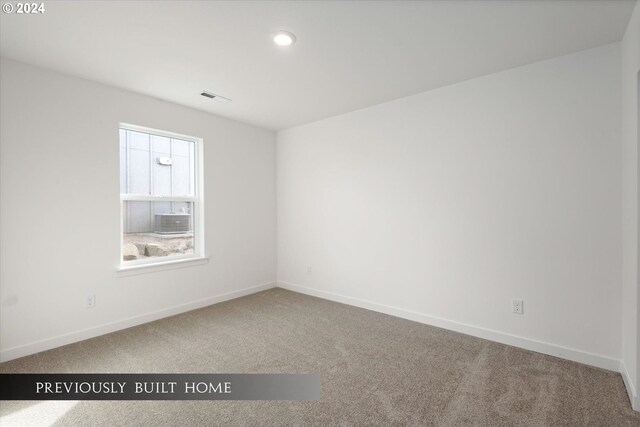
[(375, 370)]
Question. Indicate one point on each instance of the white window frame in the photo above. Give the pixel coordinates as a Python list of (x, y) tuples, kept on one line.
[(198, 207)]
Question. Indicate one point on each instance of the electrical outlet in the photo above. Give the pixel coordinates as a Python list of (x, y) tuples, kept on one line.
[(517, 306), (309, 269), (90, 301)]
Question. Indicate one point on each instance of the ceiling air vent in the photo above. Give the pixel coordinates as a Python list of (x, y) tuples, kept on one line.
[(215, 97)]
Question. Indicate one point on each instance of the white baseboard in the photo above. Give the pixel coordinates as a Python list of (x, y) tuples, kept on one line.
[(60, 340), (575, 355), (628, 383)]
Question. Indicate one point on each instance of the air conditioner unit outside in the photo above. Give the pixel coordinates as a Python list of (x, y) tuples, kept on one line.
[(172, 223)]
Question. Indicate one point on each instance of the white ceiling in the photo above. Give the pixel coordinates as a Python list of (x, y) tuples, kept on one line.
[(349, 54)]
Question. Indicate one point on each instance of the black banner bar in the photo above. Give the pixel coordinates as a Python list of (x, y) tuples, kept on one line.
[(159, 387)]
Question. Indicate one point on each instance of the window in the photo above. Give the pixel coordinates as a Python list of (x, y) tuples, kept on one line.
[(160, 196)]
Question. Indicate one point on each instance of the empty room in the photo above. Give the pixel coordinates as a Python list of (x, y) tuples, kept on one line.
[(279, 213)]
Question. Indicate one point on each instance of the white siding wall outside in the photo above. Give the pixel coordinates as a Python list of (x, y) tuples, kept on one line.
[(142, 174)]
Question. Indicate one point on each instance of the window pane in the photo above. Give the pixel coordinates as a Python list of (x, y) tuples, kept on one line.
[(136, 167), (123, 161), (181, 176), (183, 171), (156, 165), (161, 154), (138, 140), (159, 168), (161, 145), (157, 229)]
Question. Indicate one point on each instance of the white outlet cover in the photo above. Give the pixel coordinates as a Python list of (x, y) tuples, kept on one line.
[(90, 301), (517, 306)]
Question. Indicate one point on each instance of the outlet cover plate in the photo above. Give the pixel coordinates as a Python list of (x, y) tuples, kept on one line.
[(517, 306)]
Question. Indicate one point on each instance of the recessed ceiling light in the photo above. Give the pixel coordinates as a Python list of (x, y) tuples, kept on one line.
[(284, 38)]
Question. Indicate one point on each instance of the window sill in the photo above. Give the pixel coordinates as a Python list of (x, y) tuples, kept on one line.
[(160, 266)]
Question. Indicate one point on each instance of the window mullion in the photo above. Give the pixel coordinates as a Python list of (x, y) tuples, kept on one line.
[(148, 198)]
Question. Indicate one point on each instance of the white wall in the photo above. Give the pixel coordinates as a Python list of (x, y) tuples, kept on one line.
[(440, 207), (59, 210), (630, 327), (443, 206)]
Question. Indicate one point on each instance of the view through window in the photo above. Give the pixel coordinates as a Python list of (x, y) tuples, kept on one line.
[(159, 196)]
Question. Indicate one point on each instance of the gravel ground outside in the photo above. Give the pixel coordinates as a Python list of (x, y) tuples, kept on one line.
[(149, 245)]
